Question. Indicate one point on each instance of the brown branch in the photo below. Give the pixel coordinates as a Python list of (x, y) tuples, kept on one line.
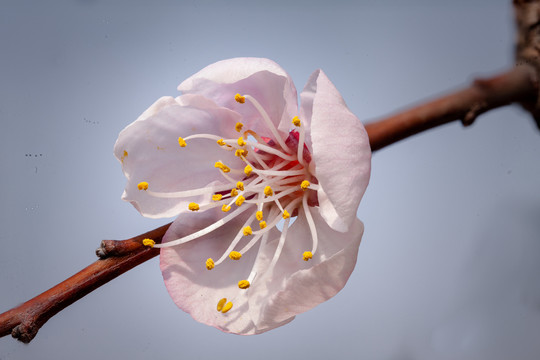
[(24, 321), (517, 85), (117, 257)]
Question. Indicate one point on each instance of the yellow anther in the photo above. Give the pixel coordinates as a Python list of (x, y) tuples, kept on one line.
[(221, 303), (217, 197), (307, 255), (248, 231), (262, 224), (247, 170), (227, 307), (222, 166), (238, 127), (296, 121), (268, 191), (243, 284), (149, 242), (239, 98), (181, 142), (143, 185), (286, 214), (235, 255), (193, 206), (221, 142), (240, 186), (241, 141), (259, 215), (234, 192), (225, 208), (240, 152), (210, 264), (240, 200), (124, 156), (304, 185)]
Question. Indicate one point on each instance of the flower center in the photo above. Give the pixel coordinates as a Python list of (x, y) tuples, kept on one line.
[(275, 183)]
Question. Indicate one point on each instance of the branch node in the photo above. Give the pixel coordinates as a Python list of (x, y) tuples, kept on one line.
[(475, 110), (25, 331)]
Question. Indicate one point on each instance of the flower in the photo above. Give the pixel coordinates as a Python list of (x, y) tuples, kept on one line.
[(266, 192)]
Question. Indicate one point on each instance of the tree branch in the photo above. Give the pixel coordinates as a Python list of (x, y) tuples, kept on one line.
[(24, 321), (117, 257), (516, 85)]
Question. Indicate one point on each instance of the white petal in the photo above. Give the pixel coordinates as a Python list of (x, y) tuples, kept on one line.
[(197, 290), (263, 79), (341, 152), (154, 156), (296, 286)]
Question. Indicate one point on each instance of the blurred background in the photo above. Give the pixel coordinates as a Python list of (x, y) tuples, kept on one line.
[(450, 259)]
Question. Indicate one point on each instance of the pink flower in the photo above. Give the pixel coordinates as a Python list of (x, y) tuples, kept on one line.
[(267, 225)]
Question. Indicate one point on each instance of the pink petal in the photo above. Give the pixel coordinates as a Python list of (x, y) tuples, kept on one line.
[(197, 290), (263, 79), (296, 286), (154, 156), (341, 152)]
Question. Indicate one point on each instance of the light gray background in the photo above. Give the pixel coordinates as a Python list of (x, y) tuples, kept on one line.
[(450, 260)]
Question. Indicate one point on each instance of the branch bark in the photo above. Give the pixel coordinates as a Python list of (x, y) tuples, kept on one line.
[(517, 85), (117, 257)]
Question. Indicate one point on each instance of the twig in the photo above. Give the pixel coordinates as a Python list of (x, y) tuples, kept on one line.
[(24, 321), (117, 257)]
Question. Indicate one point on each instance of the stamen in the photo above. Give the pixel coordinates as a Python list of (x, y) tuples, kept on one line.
[(307, 255), (268, 122), (262, 224), (222, 166), (228, 306), (217, 197), (234, 192), (240, 152), (311, 224), (304, 185), (205, 230), (235, 255), (143, 185), (281, 243), (209, 263), (301, 140), (240, 200), (149, 242), (181, 142), (240, 186), (221, 303), (280, 172), (258, 158), (239, 98), (268, 191), (247, 231), (270, 150), (296, 121), (193, 206), (225, 208), (221, 142), (286, 214), (247, 170), (238, 127), (233, 243), (259, 215), (241, 141), (188, 193), (243, 284)]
